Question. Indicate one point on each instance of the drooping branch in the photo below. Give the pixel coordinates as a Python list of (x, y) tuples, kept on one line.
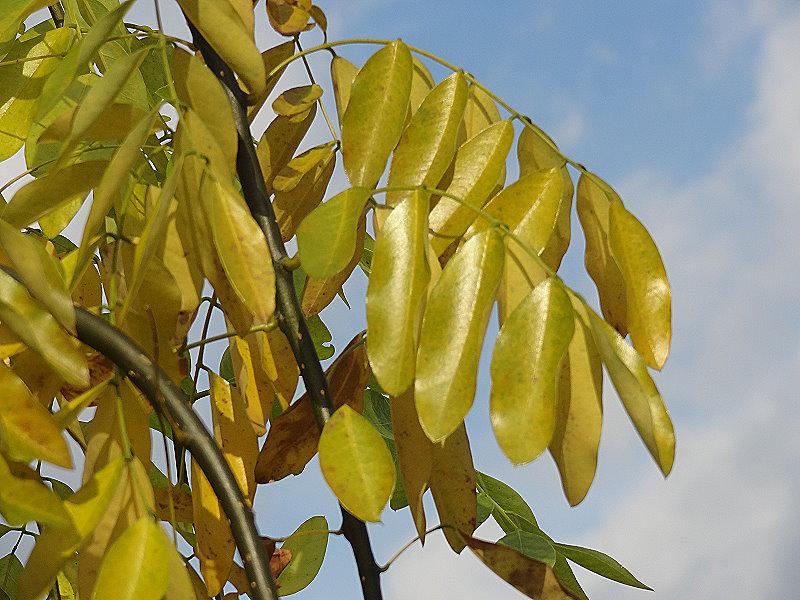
[(190, 431), (288, 311)]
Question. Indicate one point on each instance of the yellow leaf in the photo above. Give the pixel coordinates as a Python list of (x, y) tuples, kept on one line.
[(373, 120), (112, 186), (536, 151), (271, 58), (15, 11), (136, 566), (356, 464), (414, 453), (39, 197), (296, 102), (422, 83), (524, 371), (40, 332), (40, 273), (291, 174), (579, 413), (113, 124), (179, 583), (21, 84), (478, 165), (23, 500), (594, 201), (289, 17), (243, 251), (234, 433), (55, 546), (452, 334), (244, 8), (428, 143), (480, 112), (214, 545), (396, 294), (307, 546), (453, 487), (326, 238), (222, 27), (646, 287), (343, 73), (636, 390)]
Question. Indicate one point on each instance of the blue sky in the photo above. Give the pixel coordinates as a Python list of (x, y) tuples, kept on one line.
[(692, 111)]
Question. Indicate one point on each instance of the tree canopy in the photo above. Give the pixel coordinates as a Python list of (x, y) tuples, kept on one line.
[(103, 334)]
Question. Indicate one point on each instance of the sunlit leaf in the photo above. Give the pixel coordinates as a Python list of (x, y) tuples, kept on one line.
[(326, 239), (600, 563), (396, 294), (215, 546), (428, 143), (23, 500), (289, 17), (646, 287), (452, 334), (594, 201), (279, 143), (272, 58), (39, 197), (234, 433), (524, 371), (579, 413), (343, 72), (375, 114), (136, 566), (40, 273), (422, 82), (478, 165), (453, 480), (637, 391), (40, 331), (307, 546), (296, 102), (356, 464), (243, 252), (224, 30), (21, 84)]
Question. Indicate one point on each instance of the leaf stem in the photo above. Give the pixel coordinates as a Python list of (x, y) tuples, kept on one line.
[(321, 104), (406, 546), (229, 334)]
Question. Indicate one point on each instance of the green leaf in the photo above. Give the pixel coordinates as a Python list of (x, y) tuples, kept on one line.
[(567, 578), (243, 252), (21, 84), (321, 337), (224, 30), (10, 570), (646, 287), (579, 414), (356, 464), (40, 273), (478, 165), (375, 114), (396, 293), (531, 545), (42, 196), (136, 566), (452, 334), (40, 332), (226, 367), (326, 239), (14, 13), (594, 201), (308, 545), (600, 563), (636, 390), (524, 371), (429, 142), (377, 410), (23, 500), (504, 503)]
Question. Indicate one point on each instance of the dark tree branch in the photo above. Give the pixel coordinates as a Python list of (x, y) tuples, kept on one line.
[(57, 13), (190, 431), (288, 312)]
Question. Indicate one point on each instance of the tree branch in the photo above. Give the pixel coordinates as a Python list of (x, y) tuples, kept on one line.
[(190, 431), (288, 312), (57, 13)]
